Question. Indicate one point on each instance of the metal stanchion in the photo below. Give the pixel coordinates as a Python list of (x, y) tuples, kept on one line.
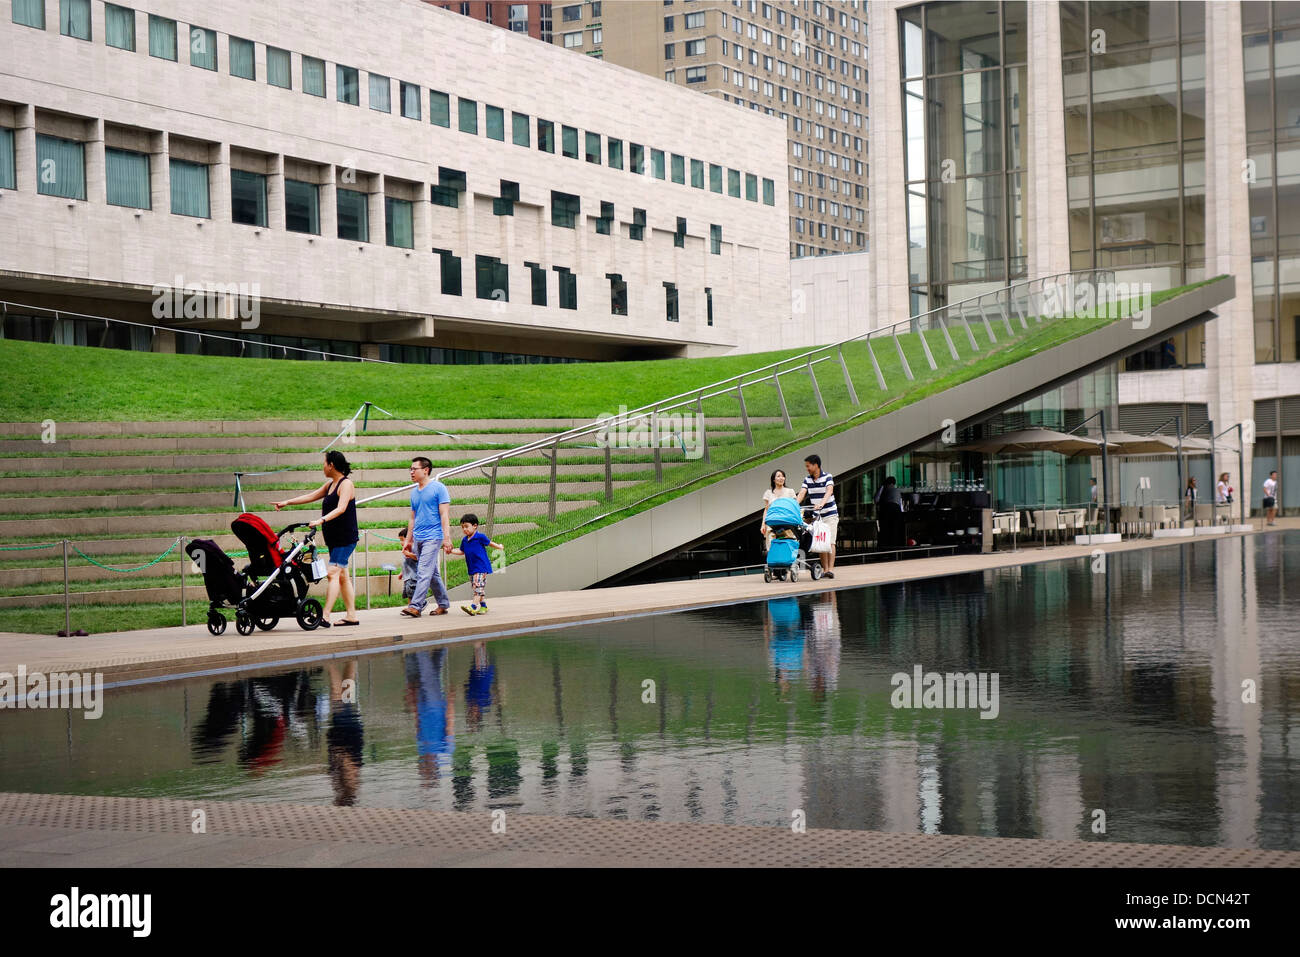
[(365, 540), (184, 559), (67, 608)]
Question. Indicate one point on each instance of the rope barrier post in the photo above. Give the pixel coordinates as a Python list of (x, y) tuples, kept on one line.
[(67, 607), (555, 458), (184, 619)]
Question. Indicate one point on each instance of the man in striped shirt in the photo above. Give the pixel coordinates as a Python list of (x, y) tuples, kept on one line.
[(819, 489)]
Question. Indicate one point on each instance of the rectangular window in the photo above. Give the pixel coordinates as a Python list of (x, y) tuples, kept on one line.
[(733, 183), (519, 129), (545, 136), (617, 294), (668, 24), (242, 59), (715, 240), (313, 76), (189, 189), (679, 169), (573, 40), (492, 278), (679, 237), (605, 221), (694, 21), (697, 174), (451, 183), (614, 153), (504, 205), (695, 48), (657, 163), (381, 93), (769, 192), (593, 148), (301, 207), (347, 85), (162, 37), (467, 111), (568, 287), (697, 74), (410, 94), (538, 283), (30, 13), (8, 175), (248, 198), (636, 161), (496, 122), (279, 68), (637, 228), (352, 210), (126, 175), (670, 302), (751, 187), (565, 209), (708, 301), (670, 51), (399, 222), (569, 141), (439, 108), (119, 25), (60, 167), (449, 266), (74, 18), (570, 13)]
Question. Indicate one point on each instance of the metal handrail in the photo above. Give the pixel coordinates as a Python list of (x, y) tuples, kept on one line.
[(771, 371), (65, 314)]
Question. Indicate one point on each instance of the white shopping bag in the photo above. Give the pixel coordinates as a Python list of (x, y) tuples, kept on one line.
[(821, 537)]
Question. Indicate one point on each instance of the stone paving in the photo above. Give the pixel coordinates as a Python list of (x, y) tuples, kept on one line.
[(157, 652), (40, 830)]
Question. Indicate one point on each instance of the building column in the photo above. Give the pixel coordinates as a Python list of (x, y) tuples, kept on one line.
[(275, 193), (1046, 211), (219, 184), (160, 173), (96, 174), (329, 211), (887, 210), (1229, 339), (163, 341), (375, 228), (26, 175), (422, 220)]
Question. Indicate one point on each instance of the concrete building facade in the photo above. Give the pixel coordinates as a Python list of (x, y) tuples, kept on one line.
[(1156, 139), (392, 179)]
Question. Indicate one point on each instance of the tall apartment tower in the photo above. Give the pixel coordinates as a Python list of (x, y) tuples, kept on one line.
[(803, 62), (532, 18)]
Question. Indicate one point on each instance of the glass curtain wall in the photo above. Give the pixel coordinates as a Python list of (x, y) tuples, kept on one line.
[(1134, 78), (1271, 59), (963, 67)]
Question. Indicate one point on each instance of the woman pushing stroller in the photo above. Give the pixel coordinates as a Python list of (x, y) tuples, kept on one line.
[(339, 522)]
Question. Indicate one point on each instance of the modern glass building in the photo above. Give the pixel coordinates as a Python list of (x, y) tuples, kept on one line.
[(1160, 140)]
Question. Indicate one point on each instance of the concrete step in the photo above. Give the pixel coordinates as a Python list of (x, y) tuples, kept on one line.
[(146, 501), (261, 461), (328, 427), (294, 481), (43, 529)]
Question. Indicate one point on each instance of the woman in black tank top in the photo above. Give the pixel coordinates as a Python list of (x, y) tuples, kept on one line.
[(339, 521)]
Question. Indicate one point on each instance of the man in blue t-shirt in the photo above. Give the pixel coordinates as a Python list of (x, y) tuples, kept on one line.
[(426, 533)]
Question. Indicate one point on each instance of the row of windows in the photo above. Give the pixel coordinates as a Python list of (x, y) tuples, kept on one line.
[(75, 22), (821, 229), (740, 28), (829, 158), (809, 78), (783, 95), (846, 22), (833, 209)]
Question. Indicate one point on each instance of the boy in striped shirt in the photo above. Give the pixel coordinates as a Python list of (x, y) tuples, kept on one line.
[(819, 489)]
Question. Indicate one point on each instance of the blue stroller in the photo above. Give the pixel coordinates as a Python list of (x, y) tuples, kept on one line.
[(785, 557)]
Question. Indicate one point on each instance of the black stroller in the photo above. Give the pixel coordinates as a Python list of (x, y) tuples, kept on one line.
[(273, 585)]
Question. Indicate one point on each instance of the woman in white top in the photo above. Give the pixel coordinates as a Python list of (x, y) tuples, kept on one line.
[(778, 490), (1222, 491)]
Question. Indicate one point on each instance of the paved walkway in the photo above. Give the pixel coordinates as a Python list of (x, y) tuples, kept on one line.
[(155, 652), (41, 830)]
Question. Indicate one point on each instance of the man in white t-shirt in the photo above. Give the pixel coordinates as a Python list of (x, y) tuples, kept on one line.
[(1270, 497)]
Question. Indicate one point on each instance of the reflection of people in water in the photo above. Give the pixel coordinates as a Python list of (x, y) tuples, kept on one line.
[(824, 647), (344, 738), (783, 632), (266, 707), (434, 712), (478, 688)]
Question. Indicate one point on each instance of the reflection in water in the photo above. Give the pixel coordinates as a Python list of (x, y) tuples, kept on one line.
[(1122, 691)]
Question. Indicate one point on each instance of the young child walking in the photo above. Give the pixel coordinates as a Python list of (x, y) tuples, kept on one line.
[(474, 547)]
